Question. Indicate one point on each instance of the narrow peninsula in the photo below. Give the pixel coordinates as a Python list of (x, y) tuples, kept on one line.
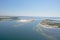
[(48, 23)]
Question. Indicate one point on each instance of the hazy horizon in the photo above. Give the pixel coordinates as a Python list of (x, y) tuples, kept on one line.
[(36, 8)]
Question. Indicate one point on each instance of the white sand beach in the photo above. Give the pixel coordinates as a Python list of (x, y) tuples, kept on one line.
[(25, 20)]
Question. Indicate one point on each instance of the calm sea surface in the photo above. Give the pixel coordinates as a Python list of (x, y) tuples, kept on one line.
[(14, 30)]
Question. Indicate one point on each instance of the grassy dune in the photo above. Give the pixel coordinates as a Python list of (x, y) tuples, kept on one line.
[(51, 23)]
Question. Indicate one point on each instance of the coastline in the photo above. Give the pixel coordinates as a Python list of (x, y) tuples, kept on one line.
[(25, 20), (48, 27), (48, 23)]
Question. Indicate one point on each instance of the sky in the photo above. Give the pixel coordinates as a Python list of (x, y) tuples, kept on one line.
[(41, 8)]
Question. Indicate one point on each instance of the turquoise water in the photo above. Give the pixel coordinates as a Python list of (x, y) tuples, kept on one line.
[(14, 30)]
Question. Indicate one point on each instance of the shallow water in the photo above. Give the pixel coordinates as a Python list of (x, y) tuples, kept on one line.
[(49, 33), (13, 30)]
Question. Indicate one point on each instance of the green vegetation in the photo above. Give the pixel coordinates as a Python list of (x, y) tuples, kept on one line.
[(8, 18), (51, 23)]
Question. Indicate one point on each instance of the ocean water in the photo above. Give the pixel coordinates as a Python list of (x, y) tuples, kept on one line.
[(14, 30)]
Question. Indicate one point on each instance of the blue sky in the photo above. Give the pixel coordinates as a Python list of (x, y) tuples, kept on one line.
[(46, 8)]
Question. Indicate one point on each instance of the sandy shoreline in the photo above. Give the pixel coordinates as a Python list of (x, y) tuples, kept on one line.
[(25, 20), (47, 26)]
